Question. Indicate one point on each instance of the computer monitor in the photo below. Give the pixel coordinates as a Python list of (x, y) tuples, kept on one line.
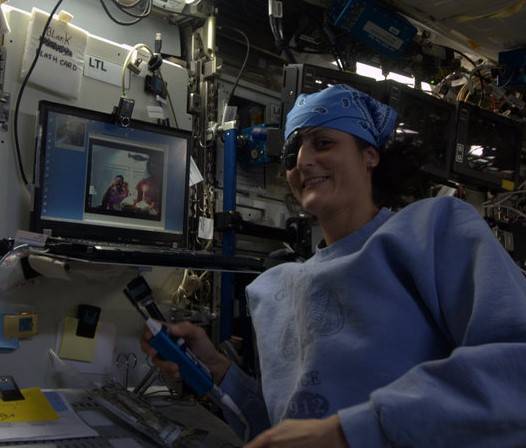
[(487, 148), (99, 181)]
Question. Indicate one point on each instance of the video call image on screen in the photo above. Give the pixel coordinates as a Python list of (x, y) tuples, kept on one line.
[(124, 181), (102, 174), (70, 132)]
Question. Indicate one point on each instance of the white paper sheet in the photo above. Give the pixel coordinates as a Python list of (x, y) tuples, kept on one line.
[(61, 58), (95, 418)]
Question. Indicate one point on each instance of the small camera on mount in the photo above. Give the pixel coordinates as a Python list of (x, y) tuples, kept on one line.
[(123, 112)]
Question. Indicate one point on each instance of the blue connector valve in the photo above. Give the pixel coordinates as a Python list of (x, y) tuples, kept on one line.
[(193, 372)]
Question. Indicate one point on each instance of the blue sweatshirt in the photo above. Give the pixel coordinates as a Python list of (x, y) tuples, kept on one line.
[(412, 329)]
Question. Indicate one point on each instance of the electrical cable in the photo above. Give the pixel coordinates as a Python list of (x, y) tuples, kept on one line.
[(243, 66), (17, 252), (272, 24), (133, 5), (465, 56), (21, 92), (334, 47), (146, 13), (127, 61), (273, 28), (512, 209), (113, 19), (514, 71), (496, 201), (475, 70), (276, 26), (223, 399), (123, 76), (127, 9), (279, 23), (169, 99), (502, 13)]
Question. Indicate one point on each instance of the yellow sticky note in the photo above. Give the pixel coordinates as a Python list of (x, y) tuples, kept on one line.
[(76, 347), (35, 408), (508, 185)]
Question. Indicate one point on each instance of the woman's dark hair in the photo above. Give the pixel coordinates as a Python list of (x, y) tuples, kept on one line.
[(397, 180)]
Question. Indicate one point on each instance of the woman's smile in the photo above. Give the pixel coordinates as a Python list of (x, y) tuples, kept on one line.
[(313, 181)]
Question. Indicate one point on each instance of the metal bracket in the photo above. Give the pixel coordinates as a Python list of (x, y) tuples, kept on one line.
[(297, 232)]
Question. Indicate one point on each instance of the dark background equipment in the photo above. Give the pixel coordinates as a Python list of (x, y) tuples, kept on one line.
[(88, 318), (123, 112), (425, 123), (487, 148), (138, 256), (297, 231), (380, 28)]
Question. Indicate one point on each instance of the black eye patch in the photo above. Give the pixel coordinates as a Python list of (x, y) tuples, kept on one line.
[(289, 153)]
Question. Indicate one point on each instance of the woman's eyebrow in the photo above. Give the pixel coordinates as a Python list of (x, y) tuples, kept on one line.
[(315, 133)]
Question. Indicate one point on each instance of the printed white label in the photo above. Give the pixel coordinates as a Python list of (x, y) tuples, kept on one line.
[(60, 61), (31, 238), (382, 36), (206, 228), (104, 71), (195, 174), (155, 112)]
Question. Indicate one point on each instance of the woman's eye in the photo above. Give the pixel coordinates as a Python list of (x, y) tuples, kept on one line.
[(323, 144)]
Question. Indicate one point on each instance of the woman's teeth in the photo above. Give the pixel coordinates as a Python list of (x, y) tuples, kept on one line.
[(314, 181)]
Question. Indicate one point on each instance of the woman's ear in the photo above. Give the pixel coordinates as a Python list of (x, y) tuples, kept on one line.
[(372, 157)]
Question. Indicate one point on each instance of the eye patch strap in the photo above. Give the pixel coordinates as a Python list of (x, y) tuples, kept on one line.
[(291, 148)]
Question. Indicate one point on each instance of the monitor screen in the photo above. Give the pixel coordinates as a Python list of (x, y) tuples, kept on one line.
[(98, 180), (488, 147), (492, 146)]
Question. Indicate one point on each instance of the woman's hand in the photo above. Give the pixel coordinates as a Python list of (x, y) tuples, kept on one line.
[(198, 341), (302, 434)]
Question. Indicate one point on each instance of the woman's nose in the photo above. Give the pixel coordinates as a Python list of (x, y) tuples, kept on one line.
[(305, 156)]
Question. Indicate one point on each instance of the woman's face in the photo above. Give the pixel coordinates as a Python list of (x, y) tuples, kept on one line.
[(331, 174)]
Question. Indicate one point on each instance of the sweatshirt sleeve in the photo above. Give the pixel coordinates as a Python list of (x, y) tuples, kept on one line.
[(476, 397), (246, 394)]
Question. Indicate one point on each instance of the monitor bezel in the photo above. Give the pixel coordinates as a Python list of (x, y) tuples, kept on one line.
[(85, 231)]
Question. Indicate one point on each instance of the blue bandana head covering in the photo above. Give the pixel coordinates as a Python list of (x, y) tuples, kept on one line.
[(346, 109)]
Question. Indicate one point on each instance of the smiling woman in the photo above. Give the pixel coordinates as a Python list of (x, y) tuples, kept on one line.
[(403, 329), (332, 180), (332, 148)]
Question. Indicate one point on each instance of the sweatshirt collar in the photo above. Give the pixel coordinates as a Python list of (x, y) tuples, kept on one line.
[(355, 240)]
